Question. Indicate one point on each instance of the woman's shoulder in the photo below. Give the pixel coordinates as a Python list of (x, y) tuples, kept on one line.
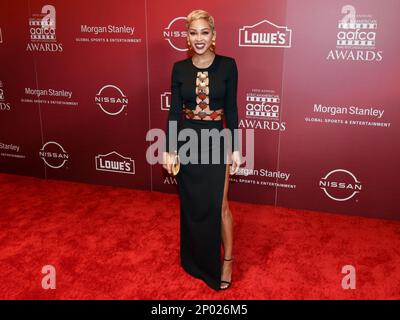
[(182, 62), (223, 59), (227, 61), (226, 58), (180, 66)]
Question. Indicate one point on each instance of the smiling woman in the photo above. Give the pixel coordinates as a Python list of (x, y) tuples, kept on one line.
[(203, 91)]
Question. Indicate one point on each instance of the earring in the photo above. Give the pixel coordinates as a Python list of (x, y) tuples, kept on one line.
[(212, 46), (190, 47)]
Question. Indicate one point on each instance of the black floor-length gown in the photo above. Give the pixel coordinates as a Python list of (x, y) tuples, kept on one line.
[(200, 184)]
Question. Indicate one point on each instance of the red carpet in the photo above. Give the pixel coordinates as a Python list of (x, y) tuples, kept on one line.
[(117, 243)]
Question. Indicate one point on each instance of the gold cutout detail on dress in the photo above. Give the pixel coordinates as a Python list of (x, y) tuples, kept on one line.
[(202, 110)]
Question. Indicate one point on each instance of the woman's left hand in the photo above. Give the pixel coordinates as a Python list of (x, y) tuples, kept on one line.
[(236, 162)]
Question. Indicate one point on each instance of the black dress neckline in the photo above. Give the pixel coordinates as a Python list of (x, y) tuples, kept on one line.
[(210, 66)]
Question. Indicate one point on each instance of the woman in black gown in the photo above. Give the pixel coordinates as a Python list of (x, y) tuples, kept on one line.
[(204, 91)]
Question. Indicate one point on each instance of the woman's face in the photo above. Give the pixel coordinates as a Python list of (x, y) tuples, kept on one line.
[(200, 36)]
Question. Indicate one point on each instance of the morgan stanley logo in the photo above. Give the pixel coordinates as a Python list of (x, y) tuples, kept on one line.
[(340, 185), (175, 33), (114, 162), (265, 34), (165, 100), (111, 100)]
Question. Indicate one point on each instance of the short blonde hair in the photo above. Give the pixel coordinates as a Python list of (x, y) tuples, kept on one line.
[(200, 14)]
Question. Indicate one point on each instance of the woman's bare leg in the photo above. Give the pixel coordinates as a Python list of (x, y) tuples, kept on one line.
[(227, 233)]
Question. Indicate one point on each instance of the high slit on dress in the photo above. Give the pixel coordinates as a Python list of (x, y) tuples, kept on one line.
[(201, 188), (201, 185)]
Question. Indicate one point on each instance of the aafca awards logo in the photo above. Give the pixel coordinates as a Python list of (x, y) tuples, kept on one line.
[(165, 101), (4, 105), (340, 185), (111, 100), (175, 33), (265, 34), (114, 162), (53, 155), (356, 38), (42, 30), (263, 111)]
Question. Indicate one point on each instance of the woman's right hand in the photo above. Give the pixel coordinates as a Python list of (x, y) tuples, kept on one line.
[(167, 161)]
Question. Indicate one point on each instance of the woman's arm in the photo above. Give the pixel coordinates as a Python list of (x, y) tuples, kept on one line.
[(231, 115), (174, 116), (231, 111), (175, 111)]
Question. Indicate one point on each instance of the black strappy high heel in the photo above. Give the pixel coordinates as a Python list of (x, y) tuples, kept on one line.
[(224, 281)]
